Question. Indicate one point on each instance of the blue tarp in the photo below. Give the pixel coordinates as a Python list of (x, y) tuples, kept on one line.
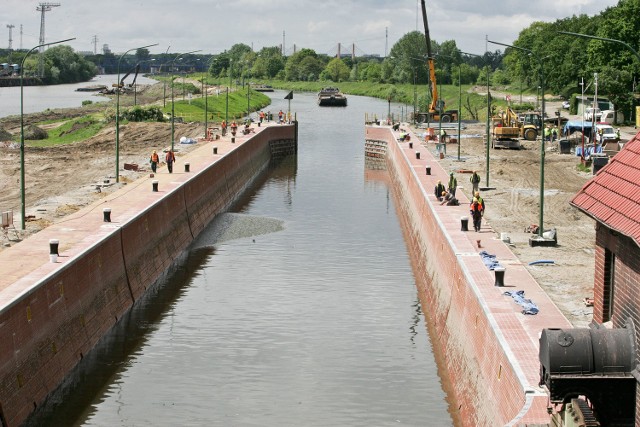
[(576, 126), (588, 150), (529, 307), (489, 260)]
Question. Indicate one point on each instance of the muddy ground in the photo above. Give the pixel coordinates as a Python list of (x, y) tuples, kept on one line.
[(514, 205), (63, 179)]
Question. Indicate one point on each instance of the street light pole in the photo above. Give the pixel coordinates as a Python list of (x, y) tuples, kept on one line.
[(22, 186), (226, 113), (118, 110), (173, 111), (542, 148)]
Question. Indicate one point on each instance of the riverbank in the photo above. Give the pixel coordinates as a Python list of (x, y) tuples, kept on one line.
[(61, 180)]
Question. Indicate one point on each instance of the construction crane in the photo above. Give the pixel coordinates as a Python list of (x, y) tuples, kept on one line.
[(436, 108), (10, 27), (42, 8)]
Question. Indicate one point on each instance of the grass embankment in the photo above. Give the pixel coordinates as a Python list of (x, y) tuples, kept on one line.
[(80, 129), (473, 105)]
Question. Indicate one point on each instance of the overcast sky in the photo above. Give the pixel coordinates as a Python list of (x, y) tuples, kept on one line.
[(213, 26)]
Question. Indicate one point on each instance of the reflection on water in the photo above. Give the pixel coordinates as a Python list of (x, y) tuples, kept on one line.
[(316, 324)]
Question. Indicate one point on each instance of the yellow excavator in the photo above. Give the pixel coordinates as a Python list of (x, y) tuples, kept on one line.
[(508, 127), (437, 110)]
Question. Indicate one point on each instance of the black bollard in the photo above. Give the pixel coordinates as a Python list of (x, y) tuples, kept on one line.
[(233, 139), (53, 246), (428, 170), (106, 215), (417, 155), (411, 145), (215, 150), (464, 223), (155, 185), (186, 167), (499, 276)]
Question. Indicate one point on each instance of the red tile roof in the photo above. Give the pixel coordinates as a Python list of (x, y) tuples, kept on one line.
[(612, 197)]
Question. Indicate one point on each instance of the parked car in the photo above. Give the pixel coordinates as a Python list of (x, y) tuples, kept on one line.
[(607, 117), (566, 105), (590, 112)]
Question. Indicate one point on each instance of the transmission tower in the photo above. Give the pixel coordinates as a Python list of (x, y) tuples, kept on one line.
[(42, 8), (94, 40), (10, 27)]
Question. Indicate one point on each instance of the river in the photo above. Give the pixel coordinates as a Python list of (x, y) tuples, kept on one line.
[(309, 316), (39, 98)]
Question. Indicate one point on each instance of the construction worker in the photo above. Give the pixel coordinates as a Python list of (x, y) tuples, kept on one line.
[(453, 184), (170, 158), (224, 127), (154, 160), (439, 190), (618, 134), (475, 182), (476, 214), (480, 200), (443, 136), (234, 128)]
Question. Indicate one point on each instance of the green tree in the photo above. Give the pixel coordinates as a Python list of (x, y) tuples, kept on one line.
[(292, 67), (336, 70)]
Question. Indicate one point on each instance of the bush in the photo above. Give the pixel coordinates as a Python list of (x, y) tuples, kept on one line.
[(87, 102), (142, 114)]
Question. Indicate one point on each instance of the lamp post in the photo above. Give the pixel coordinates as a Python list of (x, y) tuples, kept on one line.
[(541, 62), (226, 111), (164, 86), (206, 98), (173, 111), (118, 110), (488, 126), (22, 186), (135, 86)]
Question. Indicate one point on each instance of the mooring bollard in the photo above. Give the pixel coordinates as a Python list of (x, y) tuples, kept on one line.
[(411, 145), (186, 167), (155, 185), (215, 150), (428, 170), (418, 155), (233, 139), (499, 276), (53, 246), (464, 223), (106, 215)]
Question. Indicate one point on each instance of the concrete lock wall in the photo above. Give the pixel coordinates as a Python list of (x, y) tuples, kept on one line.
[(485, 384), (48, 329)]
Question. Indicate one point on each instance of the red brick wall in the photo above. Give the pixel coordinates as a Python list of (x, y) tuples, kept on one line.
[(626, 292), (57, 321), (482, 380)]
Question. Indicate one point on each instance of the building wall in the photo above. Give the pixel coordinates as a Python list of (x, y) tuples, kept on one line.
[(50, 328), (626, 288)]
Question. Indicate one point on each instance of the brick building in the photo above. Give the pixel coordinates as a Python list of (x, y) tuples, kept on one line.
[(612, 198)]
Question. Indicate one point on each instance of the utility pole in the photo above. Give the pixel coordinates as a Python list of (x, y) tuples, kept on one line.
[(94, 40), (20, 36), (42, 8), (10, 27)]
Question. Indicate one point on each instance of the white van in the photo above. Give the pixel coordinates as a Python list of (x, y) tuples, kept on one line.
[(605, 132), (607, 117)]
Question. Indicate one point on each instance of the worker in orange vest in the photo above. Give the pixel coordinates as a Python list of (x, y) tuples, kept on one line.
[(224, 127), (154, 160)]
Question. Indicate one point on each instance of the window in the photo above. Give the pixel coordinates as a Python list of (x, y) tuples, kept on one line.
[(609, 285)]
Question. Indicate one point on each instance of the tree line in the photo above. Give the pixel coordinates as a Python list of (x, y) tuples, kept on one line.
[(565, 60)]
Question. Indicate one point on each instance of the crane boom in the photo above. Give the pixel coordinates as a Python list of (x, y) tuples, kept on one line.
[(430, 62)]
